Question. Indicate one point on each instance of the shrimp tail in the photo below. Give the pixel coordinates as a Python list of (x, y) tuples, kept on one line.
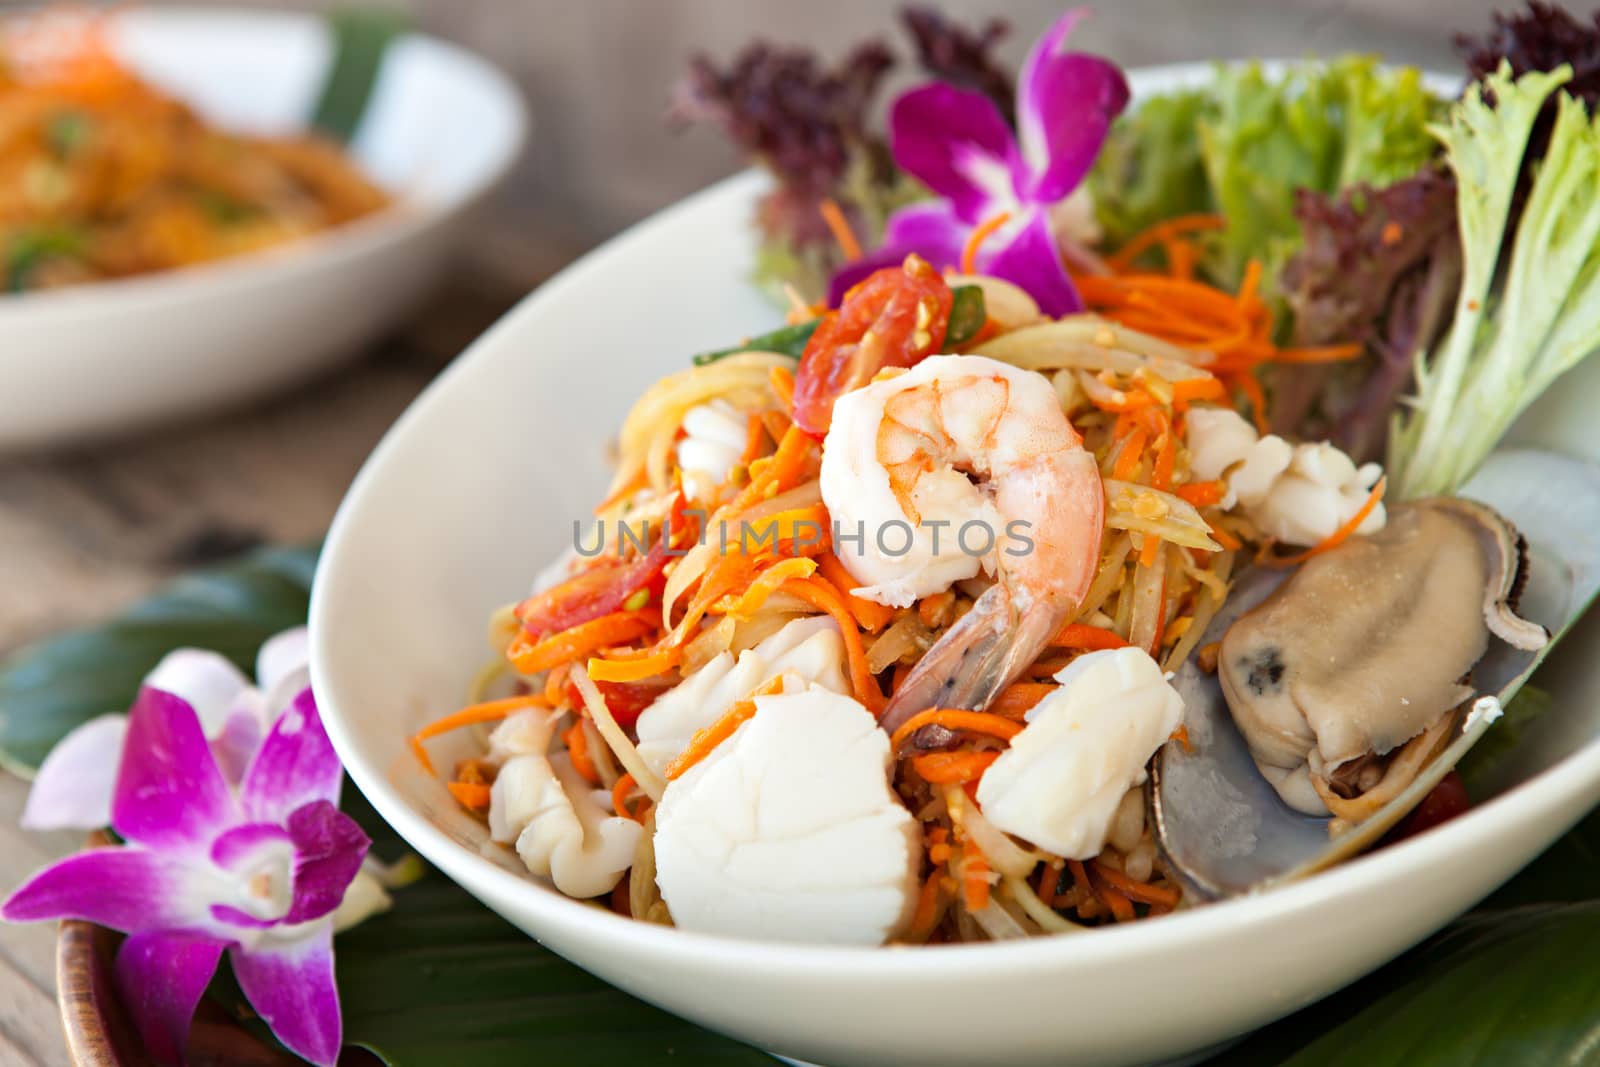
[(977, 657)]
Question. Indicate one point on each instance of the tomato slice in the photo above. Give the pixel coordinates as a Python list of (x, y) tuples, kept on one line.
[(602, 588), (894, 318), (1447, 800), (625, 700)]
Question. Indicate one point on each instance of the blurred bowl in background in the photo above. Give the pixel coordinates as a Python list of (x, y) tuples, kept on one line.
[(440, 130)]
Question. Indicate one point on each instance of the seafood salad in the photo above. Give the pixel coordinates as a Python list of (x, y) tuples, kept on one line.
[(1123, 469)]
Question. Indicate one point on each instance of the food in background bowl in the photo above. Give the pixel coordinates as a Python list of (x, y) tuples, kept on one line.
[(103, 175)]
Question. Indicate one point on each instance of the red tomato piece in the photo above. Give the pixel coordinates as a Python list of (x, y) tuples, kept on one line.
[(1448, 799), (625, 700), (894, 318), (602, 588)]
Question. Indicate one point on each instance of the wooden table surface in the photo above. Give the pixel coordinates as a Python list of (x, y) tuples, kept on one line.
[(86, 530)]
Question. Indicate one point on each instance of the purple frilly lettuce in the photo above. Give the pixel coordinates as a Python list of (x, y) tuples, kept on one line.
[(956, 142), (251, 859)]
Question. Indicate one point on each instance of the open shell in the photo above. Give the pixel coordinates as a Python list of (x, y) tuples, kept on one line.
[(1224, 828)]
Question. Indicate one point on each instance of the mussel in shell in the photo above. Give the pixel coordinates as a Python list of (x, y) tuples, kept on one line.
[(1346, 690), (1345, 681)]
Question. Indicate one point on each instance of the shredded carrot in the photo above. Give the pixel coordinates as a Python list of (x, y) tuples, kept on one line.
[(755, 434), (555, 685), (1082, 635), (1166, 459), (1232, 332), (1047, 666), (1115, 400), (1224, 538), (1160, 233), (1049, 879), (926, 915), (777, 424), (474, 795), (701, 745), (489, 711), (978, 722), (1018, 698), (619, 798), (792, 532), (1148, 550), (787, 461), (577, 743), (1181, 258), (1247, 384), (1143, 892), (839, 226), (1335, 539), (1080, 881), (1149, 416), (1202, 494), (635, 668), (1181, 735), (898, 676), (974, 879), (766, 584), (1121, 907), (952, 768), (981, 233), (1189, 390), (1320, 354), (1251, 282), (822, 595), (931, 609), (871, 615), (1130, 457), (729, 572), (782, 383), (617, 628)]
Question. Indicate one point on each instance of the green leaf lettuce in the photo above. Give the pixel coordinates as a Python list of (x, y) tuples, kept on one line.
[(1243, 145)]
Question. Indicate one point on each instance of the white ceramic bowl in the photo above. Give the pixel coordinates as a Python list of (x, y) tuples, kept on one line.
[(442, 127), (479, 484)]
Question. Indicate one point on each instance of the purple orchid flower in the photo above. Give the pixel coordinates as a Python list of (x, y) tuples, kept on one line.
[(956, 142), (256, 869)]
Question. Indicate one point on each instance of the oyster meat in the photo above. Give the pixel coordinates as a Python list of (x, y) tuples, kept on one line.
[(1346, 681)]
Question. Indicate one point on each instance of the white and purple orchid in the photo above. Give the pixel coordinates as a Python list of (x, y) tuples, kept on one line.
[(234, 842), (72, 790), (957, 142)]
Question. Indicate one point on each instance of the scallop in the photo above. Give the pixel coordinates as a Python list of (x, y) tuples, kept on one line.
[(789, 830)]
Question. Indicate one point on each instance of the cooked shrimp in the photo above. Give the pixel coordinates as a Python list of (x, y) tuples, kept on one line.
[(967, 464)]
